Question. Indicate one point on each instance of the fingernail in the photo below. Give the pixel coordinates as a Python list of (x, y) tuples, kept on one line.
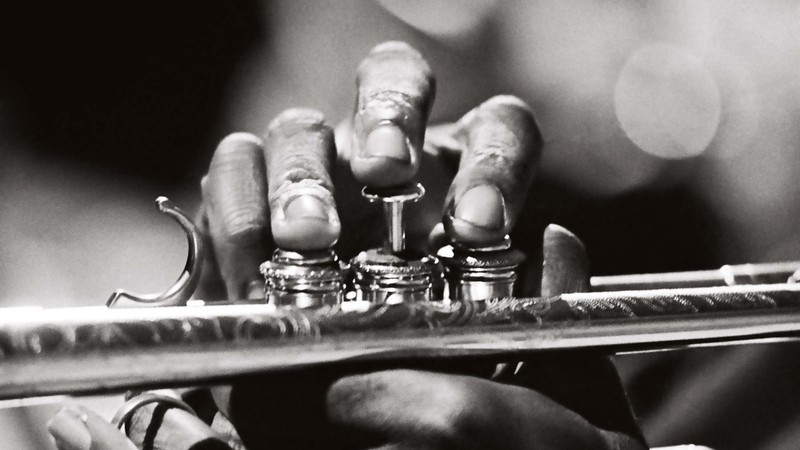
[(306, 207), (387, 141), (69, 429), (482, 206)]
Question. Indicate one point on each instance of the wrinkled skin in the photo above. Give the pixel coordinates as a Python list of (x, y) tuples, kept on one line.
[(283, 191)]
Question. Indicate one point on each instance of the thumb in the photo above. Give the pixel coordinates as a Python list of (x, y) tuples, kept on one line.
[(566, 266)]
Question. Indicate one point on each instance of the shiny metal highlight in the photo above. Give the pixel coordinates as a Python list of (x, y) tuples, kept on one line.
[(97, 349)]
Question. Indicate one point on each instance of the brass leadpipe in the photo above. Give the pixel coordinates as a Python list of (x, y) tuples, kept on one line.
[(96, 349)]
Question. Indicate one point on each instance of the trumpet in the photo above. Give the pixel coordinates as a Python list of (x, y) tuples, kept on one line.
[(95, 350)]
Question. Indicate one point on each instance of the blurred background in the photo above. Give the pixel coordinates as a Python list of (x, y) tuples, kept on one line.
[(671, 143)]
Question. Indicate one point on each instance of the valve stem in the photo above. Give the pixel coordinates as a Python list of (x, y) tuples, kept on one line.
[(394, 200)]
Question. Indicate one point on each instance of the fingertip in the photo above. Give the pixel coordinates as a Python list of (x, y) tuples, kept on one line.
[(240, 138), (555, 235), (478, 216), (566, 264), (234, 146), (561, 243)]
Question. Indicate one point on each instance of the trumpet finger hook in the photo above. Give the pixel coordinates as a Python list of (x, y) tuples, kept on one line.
[(187, 282)]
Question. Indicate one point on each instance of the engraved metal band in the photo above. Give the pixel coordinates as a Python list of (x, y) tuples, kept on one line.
[(480, 273), (304, 280), (382, 277)]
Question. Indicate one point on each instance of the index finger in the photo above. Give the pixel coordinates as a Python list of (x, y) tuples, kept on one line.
[(395, 93)]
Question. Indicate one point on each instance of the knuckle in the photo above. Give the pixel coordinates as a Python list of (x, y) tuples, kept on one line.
[(396, 85), (389, 105), (308, 157), (510, 113), (502, 132)]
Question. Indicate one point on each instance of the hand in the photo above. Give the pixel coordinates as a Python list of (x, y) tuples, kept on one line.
[(280, 192), (477, 172)]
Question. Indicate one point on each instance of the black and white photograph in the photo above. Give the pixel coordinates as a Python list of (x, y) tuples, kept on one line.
[(400, 224)]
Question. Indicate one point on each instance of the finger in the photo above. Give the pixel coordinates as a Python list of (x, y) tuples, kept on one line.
[(566, 266), (78, 428), (159, 427), (235, 198), (277, 409), (395, 93), (453, 411), (501, 147), (300, 153), (210, 287)]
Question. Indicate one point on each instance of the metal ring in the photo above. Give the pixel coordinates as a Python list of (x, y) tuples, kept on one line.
[(394, 195), (129, 407)]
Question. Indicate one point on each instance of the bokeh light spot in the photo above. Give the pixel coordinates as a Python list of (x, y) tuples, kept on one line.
[(667, 102)]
